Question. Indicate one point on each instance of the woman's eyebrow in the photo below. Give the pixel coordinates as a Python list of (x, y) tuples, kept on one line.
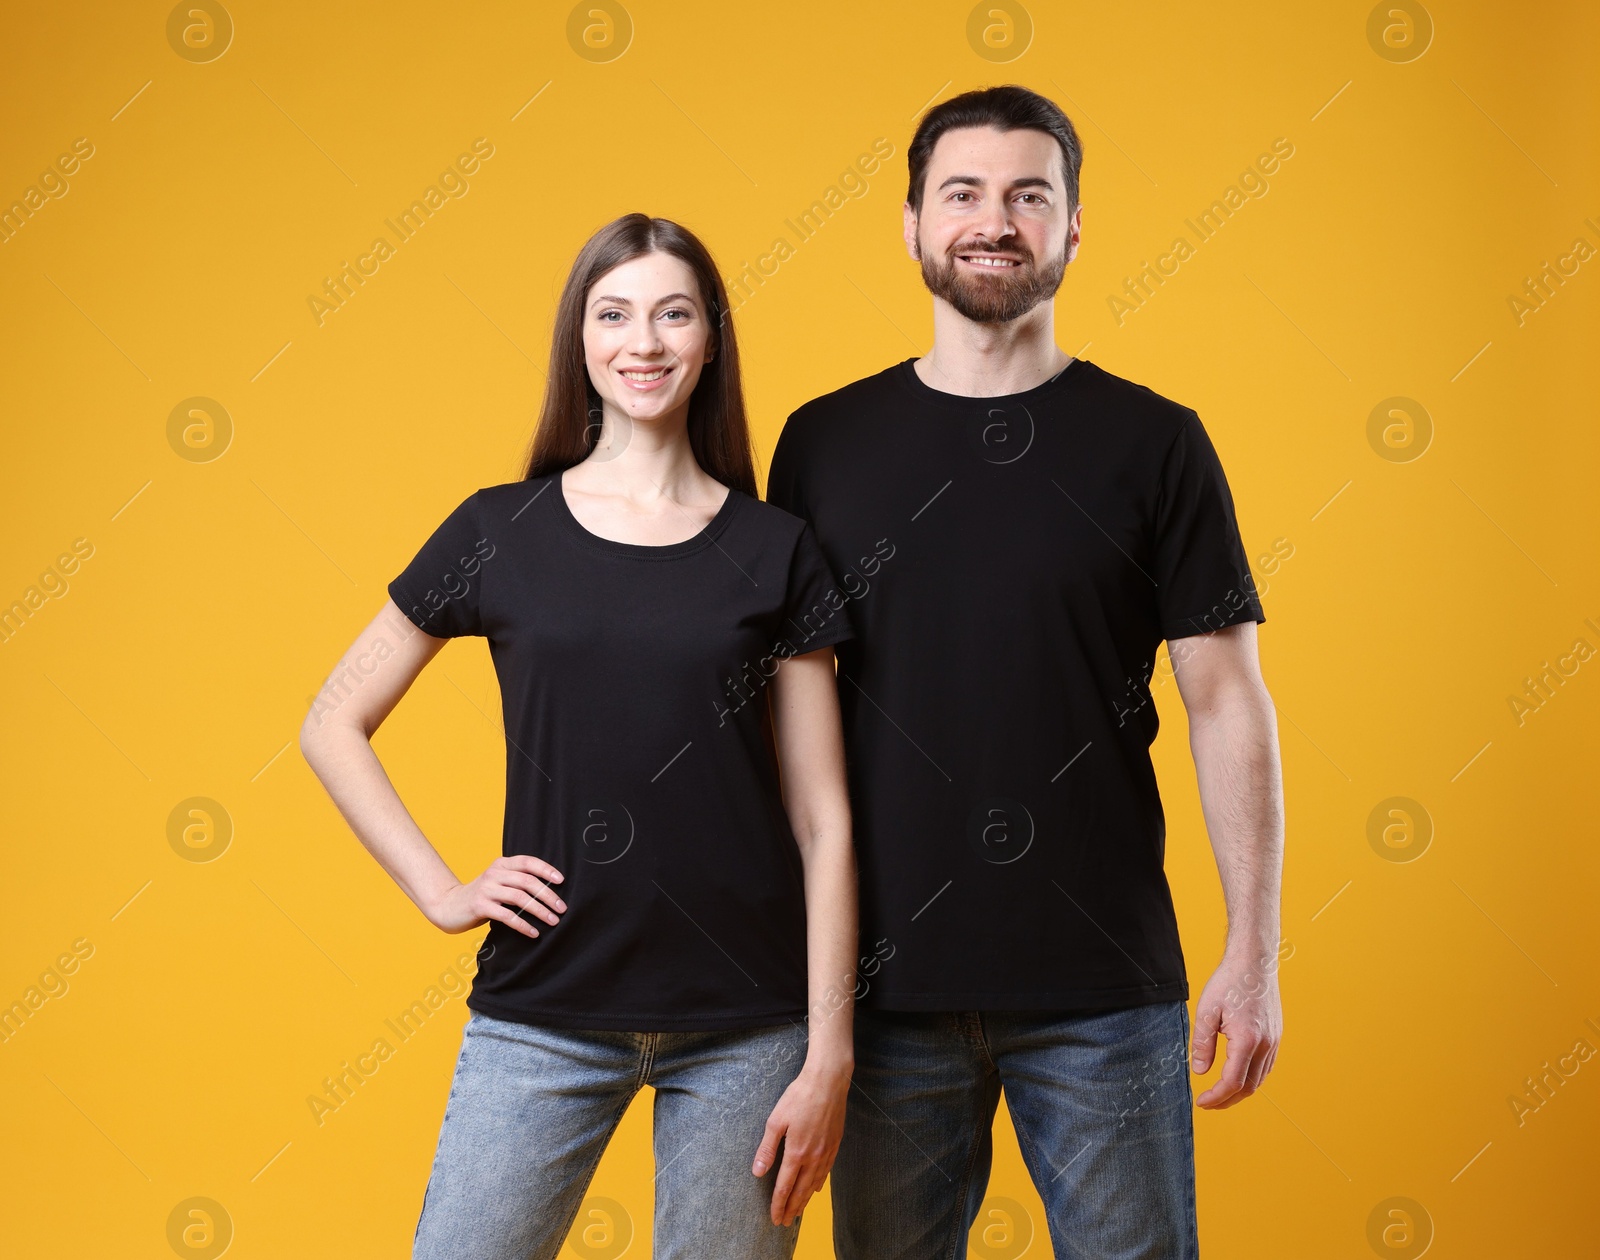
[(622, 301)]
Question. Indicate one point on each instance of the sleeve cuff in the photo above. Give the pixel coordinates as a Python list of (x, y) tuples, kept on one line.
[(1216, 619), (403, 602)]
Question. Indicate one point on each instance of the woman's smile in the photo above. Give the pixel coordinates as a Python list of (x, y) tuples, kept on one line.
[(645, 379)]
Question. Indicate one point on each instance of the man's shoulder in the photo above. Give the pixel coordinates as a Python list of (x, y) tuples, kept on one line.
[(847, 399), (1137, 400)]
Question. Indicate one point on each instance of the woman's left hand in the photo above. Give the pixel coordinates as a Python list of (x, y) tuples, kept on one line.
[(809, 1119)]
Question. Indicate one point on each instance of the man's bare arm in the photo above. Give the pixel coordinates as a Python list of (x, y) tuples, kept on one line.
[(1233, 735)]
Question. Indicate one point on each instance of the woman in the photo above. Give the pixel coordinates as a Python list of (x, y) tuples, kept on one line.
[(662, 913)]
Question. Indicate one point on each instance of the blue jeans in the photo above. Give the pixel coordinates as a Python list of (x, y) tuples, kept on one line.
[(1102, 1106), (532, 1109)]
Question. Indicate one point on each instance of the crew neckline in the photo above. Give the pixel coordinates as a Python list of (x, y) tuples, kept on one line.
[(906, 374), (644, 551)]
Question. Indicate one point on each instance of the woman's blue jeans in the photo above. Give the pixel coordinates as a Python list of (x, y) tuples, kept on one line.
[(531, 1110)]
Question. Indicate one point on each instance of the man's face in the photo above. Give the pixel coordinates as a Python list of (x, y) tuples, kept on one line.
[(994, 236)]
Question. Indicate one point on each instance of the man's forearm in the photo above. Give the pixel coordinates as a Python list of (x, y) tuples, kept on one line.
[(1235, 747)]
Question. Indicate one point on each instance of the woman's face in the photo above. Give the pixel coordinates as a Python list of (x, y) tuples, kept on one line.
[(646, 335)]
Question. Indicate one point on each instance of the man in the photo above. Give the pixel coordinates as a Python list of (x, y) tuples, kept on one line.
[(1017, 531)]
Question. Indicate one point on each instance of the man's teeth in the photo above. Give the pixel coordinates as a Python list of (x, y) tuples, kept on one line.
[(655, 375), (981, 261)]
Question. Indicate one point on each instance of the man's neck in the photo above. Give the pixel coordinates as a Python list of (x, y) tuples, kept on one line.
[(989, 360)]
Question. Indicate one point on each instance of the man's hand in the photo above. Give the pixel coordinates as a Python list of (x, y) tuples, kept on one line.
[(1241, 1002)]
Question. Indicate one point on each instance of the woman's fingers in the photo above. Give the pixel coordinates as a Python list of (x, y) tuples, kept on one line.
[(526, 893), (533, 866), (525, 882), (768, 1150), (803, 1173), (494, 910), (788, 1175)]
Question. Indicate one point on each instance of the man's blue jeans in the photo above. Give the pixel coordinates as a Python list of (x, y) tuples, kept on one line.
[(532, 1109), (1102, 1106)]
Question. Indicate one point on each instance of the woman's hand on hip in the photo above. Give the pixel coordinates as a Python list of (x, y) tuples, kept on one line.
[(508, 885)]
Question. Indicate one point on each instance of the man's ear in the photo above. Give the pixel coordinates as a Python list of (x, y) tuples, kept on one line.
[(909, 230)]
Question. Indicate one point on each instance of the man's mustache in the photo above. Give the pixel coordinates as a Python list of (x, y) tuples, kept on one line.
[(1017, 251)]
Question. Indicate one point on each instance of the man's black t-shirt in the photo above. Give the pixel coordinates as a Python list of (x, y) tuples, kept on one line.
[(639, 754), (1013, 564)]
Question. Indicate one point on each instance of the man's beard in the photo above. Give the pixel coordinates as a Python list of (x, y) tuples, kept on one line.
[(999, 298)]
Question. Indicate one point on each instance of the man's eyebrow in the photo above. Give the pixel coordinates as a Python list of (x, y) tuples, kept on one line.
[(622, 301), (1027, 181)]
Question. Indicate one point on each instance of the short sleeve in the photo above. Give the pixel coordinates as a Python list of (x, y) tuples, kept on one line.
[(783, 477), (1202, 575), (814, 607), (440, 589)]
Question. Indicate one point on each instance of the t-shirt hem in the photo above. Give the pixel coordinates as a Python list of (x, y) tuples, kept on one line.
[(1045, 1000), (610, 1021), (823, 638), (1184, 627), (404, 602)]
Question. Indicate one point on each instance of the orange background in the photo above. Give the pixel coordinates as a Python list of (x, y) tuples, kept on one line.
[(1418, 568)]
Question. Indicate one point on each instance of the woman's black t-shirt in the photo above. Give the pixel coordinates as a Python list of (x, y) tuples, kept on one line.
[(639, 754)]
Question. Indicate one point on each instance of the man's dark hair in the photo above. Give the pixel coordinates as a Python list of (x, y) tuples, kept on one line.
[(1006, 108)]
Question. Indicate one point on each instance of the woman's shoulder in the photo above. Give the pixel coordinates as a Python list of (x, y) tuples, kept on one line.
[(507, 499)]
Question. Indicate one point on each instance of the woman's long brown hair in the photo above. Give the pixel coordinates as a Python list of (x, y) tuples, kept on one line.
[(569, 426)]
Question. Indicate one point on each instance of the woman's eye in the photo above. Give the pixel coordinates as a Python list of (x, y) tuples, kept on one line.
[(605, 316), (675, 311)]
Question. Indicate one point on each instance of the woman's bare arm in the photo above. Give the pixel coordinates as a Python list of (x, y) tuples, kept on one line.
[(336, 740), (810, 1115)]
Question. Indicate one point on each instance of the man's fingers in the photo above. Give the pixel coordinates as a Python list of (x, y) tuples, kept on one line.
[(1253, 1058), (1206, 1024), (1259, 1067), (1235, 1064)]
